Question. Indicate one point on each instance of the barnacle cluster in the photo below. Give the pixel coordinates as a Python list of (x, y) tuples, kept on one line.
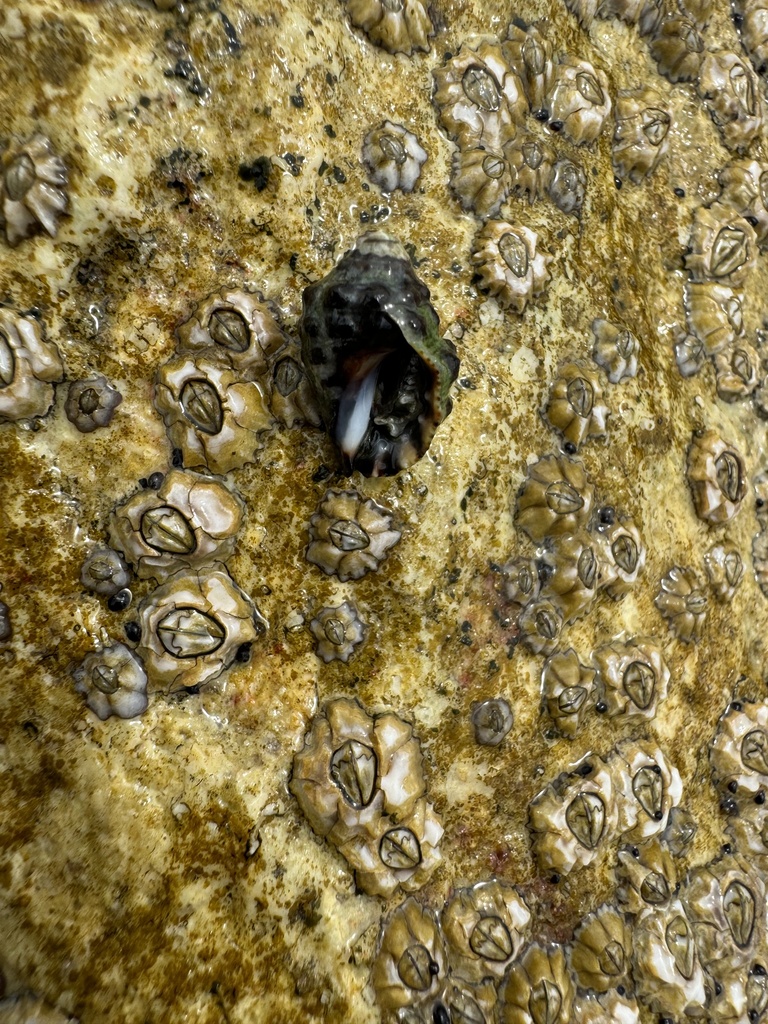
[(29, 366)]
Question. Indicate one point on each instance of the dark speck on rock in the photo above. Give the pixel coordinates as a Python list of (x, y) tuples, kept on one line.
[(258, 172)]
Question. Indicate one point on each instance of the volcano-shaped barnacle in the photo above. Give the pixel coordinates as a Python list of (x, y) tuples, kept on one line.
[(538, 988), (479, 97), (113, 682), (555, 499), (292, 401), (372, 349), (676, 46), (393, 157), (350, 535), (568, 186), (738, 371), (540, 624), (690, 354), (572, 574), (602, 950), (338, 630), (397, 26), (717, 477), (616, 349), (529, 53), (713, 314), (104, 572), (647, 788), (738, 753), (215, 417), (91, 403), (485, 927), (725, 569), (730, 89), (507, 264), (410, 964), (520, 581), (567, 691), (33, 183), (640, 138), (579, 101), (607, 1008), (28, 366), (575, 407), (531, 163), (190, 520), (491, 721), (646, 877), (632, 677), (574, 818), (682, 601), (481, 180), (620, 551), (667, 971), (725, 903), (722, 246), (745, 190), (192, 627)]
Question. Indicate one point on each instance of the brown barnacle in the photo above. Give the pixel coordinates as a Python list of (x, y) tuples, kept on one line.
[(190, 520), (641, 135), (104, 572), (571, 572), (690, 354), (738, 753), (393, 157), (725, 569), (632, 677), (192, 627), (555, 499), (479, 97), (568, 186), (538, 988), (410, 964), (647, 788), (481, 180), (491, 720), (519, 582), (33, 184), (463, 1003), (754, 32), (573, 818), (529, 53), (738, 371), (620, 550), (485, 927), (602, 950), (730, 89), (215, 417), (616, 349), (567, 691), (28, 366), (676, 46), (611, 1007), (717, 477), (579, 101), (683, 603), (91, 403), (744, 186), (113, 682), (350, 535), (668, 974), (713, 314), (338, 630), (397, 26), (508, 266), (531, 163), (540, 624), (646, 877), (722, 246), (575, 405), (292, 400)]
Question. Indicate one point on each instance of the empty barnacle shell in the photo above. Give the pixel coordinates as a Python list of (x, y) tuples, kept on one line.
[(192, 626), (579, 101), (104, 572), (730, 90), (485, 927), (410, 964), (738, 753), (567, 691), (350, 535), (529, 53), (667, 971), (538, 988), (393, 157), (492, 719), (190, 520), (338, 631), (602, 949), (520, 581), (508, 266), (91, 403), (397, 26), (555, 498), (713, 314), (676, 46), (754, 32), (646, 876), (568, 186), (738, 371), (616, 350), (372, 349), (725, 569), (632, 677), (683, 603), (575, 405), (760, 559), (28, 366), (113, 682), (717, 477), (690, 354), (722, 246), (292, 400), (572, 574), (647, 788), (540, 625), (33, 182), (531, 166), (640, 138), (609, 1007), (744, 186), (620, 551), (481, 180)]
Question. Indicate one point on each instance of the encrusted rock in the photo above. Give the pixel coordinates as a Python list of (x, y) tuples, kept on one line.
[(350, 535), (113, 682), (508, 265), (28, 366)]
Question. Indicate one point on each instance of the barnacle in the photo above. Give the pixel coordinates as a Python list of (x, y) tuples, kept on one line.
[(607, 1008), (292, 400), (640, 136), (602, 950), (754, 32), (725, 569), (555, 499), (338, 631), (579, 101), (508, 265), (713, 314), (215, 417), (567, 691), (571, 574), (683, 603), (722, 246), (616, 350), (583, 10), (540, 624), (113, 682), (531, 164), (28, 365), (738, 753), (538, 988), (677, 47), (620, 551), (393, 157), (190, 520), (104, 572), (730, 89), (717, 477), (33, 182), (646, 14), (91, 403), (575, 405), (492, 719), (632, 677), (667, 971), (31, 1009), (680, 831), (760, 559), (520, 581), (373, 353), (398, 26), (738, 371), (646, 876), (744, 186), (481, 180), (690, 354), (410, 965), (529, 53), (462, 1002), (568, 186), (485, 927), (192, 627), (647, 788), (573, 818), (350, 535)]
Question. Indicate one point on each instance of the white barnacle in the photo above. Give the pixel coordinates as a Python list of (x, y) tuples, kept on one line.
[(485, 927), (104, 572), (744, 186), (509, 267), (33, 183), (646, 877), (579, 101), (647, 787), (632, 677), (738, 370), (683, 602), (725, 570), (338, 630), (602, 950), (349, 535), (567, 691), (398, 26), (481, 180), (713, 313), (667, 969), (538, 988), (620, 550), (731, 91), (411, 963), (393, 157), (571, 574), (641, 135), (722, 246), (717, 477), (555, 499), (677, 48), (28, 367), (575, 406), (532, 166), (91, 403), (113, 682), (616, 349), (739, 750)]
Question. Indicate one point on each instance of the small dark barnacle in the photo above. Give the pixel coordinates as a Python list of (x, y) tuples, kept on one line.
[(91, 403), (372, 350)]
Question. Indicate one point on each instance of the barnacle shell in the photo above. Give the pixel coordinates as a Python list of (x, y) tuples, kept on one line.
[(393, 157), (338, 632), (632, 677), (640, 138), (292, 400), (575, 407), (398, 26), (91, 403), (508, 265), (33, 182), (27, 366), (606, 1008), (540, 624), (616, 349), (555, 499), (481, 180), (464, 1003), (602, 950), (573, 818), (113, 682), (676, 47), (211, 414), (583, 10), (529, 53), (667, 970), (754, 32), (538, 988), (760, 559), (646, 14), (621, 553), (647, 788), (725, 569), (6, 628), (567, 691), (572, 575), (531, 166), (579, 101), (371, 344), (189, 521), (760, 484), (739, 751), (350, 535), (192, 627), (738, 371), (485, 927), (679, 833), (713, 314), (730, 89), (722, 246), (690, 354), (492, 719), (717, 477), (568, 186), (745, 189), (646, 876), (410, 965), (683, 603), (520, 581), (104, 572), (31, 1009)]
